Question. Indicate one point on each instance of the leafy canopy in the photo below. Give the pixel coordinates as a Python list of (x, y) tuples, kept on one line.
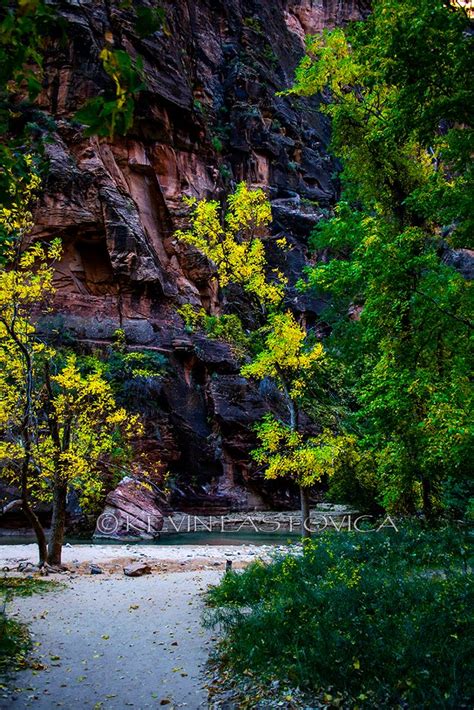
[(399, 92), (108, 116), (235, 242), (288, 356), (286, 452), (301, 370)]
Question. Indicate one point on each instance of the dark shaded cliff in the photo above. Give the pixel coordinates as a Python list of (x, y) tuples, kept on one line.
[(207, 119)]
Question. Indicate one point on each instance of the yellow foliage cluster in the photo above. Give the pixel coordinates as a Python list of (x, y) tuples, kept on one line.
[(27, 286), (91, 428), (112, 68), (286, 356), (235, 244), (286, 452), (65, 420)]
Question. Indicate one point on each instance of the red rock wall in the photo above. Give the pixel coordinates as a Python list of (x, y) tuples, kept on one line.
[(213, 73)]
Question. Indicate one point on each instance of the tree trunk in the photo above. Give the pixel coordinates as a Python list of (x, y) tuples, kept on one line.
[(305, 513), (25, 502), (304, 496), (39, 532), (427, 504), (58, 524)]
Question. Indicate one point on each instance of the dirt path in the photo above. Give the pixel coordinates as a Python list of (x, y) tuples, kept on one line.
[(114, 642)]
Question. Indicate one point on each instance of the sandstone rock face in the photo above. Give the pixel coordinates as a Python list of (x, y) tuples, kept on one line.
[(305, 17), (130, 511), (208, 117)]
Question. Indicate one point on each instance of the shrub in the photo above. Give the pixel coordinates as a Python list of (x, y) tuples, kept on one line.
[(15, 642), (227, 327), (383, 620), (217, 144)]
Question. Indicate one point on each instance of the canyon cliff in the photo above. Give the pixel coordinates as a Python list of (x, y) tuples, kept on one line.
[(208, 117)]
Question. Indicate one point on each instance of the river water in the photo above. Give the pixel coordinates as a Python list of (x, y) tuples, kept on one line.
[(191, 538)]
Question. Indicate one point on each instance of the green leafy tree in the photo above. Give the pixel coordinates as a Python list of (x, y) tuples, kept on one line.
[(399, 92), (114, 114)]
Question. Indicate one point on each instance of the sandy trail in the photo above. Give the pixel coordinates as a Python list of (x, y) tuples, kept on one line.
[(115, 642)]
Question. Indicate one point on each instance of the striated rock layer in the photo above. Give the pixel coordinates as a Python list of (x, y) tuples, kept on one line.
[(207, 118), (130, 511)]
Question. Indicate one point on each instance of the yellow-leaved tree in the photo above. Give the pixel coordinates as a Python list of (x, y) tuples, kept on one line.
[(59, 425), (301, 370), (235, 243)]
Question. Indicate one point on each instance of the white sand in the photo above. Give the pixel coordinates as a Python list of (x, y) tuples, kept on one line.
[(115, 642)]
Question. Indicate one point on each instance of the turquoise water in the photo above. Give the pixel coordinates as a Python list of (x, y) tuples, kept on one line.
[(192, 538)]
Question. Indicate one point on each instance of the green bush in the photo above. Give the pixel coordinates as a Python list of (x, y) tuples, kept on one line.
[(15, 642), (227, 327), (217, 144), (382, 620)]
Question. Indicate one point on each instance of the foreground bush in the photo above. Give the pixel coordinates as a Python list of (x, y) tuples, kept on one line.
[(383, 620), (15, 642)]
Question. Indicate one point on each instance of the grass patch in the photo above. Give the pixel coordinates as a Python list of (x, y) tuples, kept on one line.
[(15, 643), (367, 620), (25, 586)]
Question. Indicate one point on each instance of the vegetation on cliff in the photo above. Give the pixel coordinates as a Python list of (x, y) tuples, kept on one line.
[(235, 243)]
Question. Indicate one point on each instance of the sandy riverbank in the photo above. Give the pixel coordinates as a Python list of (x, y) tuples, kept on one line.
[(161, 558)]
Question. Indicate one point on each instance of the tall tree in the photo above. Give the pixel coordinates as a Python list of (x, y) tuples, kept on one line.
[(399, 91), (58, 424), (283, 351), (301, 371)]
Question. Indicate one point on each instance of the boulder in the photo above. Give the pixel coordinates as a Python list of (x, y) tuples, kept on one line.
[(131, 511), (137, 569)]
